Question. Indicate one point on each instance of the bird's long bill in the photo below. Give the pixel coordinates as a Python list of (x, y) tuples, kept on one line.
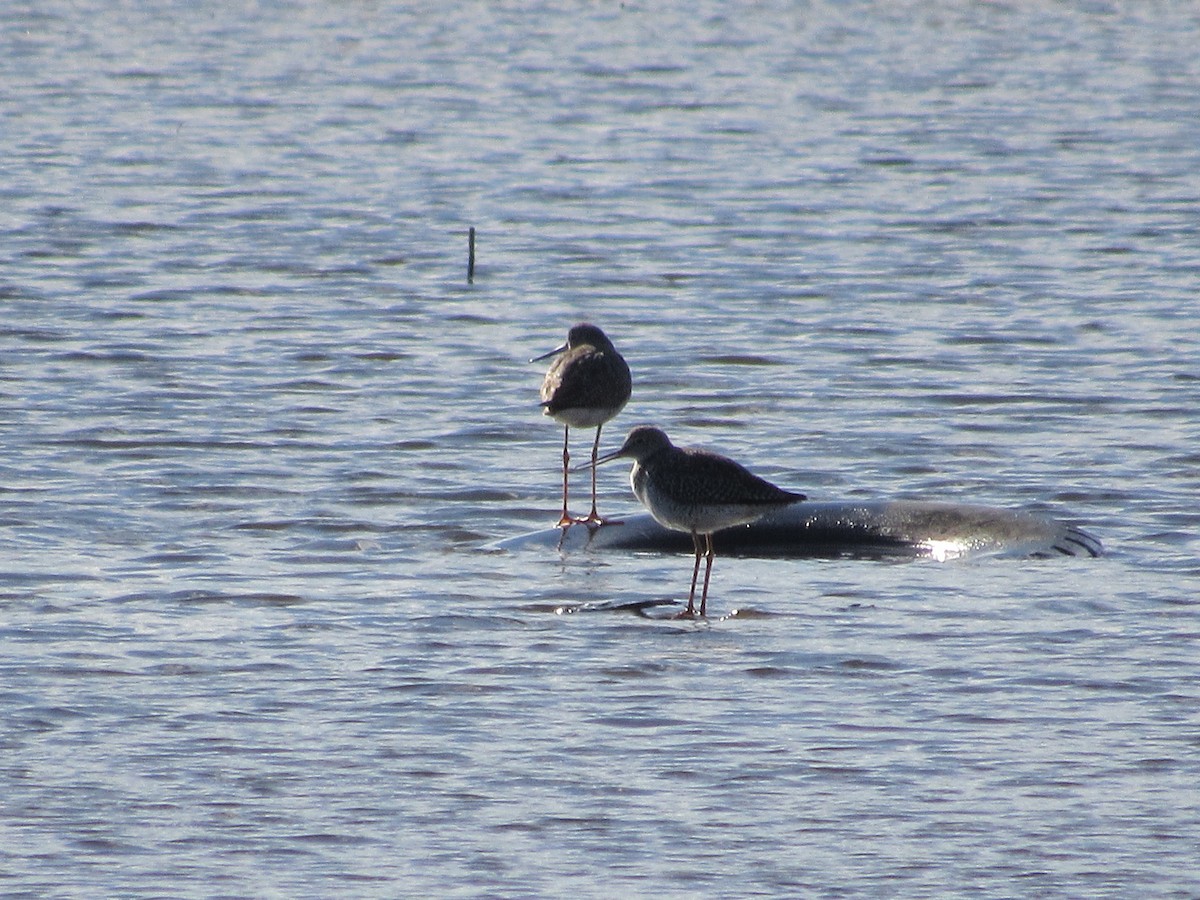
[(554, 352), (607, 457)]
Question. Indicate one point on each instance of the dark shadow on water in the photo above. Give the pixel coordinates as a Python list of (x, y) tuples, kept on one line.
[(659, 609), (646, 608)]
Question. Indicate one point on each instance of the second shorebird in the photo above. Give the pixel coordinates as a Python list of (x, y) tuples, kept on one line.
[(587, 384), (696, 491)]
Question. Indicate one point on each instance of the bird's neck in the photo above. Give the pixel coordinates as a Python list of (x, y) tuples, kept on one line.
[(637, 480)]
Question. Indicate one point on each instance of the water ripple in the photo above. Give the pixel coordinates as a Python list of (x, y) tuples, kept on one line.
[(257, 431)]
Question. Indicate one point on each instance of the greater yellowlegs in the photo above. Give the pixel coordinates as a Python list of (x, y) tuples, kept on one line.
[(696, 491), (587, 384)]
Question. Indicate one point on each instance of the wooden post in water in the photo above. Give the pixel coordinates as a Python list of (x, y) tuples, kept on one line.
[(471, 255)]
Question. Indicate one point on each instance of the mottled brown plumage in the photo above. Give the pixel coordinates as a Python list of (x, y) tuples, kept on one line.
[(587, 385)]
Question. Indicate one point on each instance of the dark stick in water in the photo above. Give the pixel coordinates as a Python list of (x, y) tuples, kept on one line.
[(471, 255)]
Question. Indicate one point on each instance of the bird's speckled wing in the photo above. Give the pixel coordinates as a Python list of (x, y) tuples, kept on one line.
[(703, 477), (585, 377)]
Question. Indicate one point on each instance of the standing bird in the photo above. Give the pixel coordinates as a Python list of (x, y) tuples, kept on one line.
[(696, 491), (587, 384)]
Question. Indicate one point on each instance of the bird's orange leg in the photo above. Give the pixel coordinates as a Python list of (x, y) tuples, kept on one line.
[(566, 518), (690, 612), (708, 543), (594, 518)]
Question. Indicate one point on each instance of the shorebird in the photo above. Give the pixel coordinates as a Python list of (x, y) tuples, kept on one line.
[(696, 491), (587, 384)]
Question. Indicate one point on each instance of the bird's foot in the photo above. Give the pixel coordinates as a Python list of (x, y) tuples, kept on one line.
[(595, 520), (566, 520)]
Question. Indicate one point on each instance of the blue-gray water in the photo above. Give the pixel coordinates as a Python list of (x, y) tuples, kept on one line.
[(257, 431)]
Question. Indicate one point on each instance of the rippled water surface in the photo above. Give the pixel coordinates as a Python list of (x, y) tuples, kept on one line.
[(258, 434)]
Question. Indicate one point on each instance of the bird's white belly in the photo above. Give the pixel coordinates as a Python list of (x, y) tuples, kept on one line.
[(583, 417), (680, 515)]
